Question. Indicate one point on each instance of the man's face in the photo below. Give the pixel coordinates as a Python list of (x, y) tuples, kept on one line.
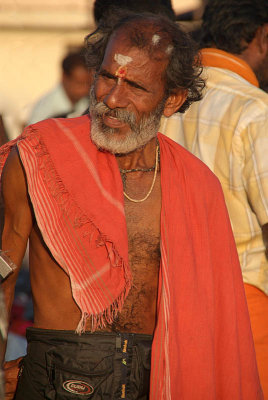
[(128, 98), (77, 83)]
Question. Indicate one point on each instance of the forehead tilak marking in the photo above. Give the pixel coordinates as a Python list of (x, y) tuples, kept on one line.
[(169, 49), (155, 39), (122, 69), (122, 60)]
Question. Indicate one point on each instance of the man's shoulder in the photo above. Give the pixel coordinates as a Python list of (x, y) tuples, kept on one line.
[(55, 133), (224, 81), (60, 125)]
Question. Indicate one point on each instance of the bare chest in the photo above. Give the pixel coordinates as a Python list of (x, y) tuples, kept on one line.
[(143, 227)]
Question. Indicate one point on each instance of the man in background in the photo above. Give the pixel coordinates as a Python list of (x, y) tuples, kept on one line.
[(228, 130), (3, 134), (102, 8), (70, 97)]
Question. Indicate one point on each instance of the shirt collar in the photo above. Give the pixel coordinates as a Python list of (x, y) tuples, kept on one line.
[(221, 59)]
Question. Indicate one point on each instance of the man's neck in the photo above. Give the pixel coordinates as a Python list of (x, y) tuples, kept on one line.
[(143, 157)]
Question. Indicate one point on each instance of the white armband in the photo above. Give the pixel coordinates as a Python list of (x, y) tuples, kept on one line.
[(6, 266)]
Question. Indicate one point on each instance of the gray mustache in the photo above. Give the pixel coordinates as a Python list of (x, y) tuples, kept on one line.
[(101, 109)]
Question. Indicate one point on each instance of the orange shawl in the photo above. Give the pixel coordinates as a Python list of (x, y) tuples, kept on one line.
[(212, 57), (202, 347)]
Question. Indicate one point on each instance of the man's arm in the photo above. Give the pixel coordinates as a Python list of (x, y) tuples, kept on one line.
[(17, 219), (18, 222), (255, 169)]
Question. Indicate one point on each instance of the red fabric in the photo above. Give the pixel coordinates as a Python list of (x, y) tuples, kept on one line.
[(258, 311), (202, 347), (68, 181)]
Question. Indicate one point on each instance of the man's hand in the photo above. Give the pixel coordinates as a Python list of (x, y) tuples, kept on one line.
[(11, 370)]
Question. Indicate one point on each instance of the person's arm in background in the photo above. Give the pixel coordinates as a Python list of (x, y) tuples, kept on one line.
[(265, 238), (3, 134), (255, 171)]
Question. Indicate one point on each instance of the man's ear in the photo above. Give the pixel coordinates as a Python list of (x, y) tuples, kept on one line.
[(174, 102), (262, 39), (257, 49)]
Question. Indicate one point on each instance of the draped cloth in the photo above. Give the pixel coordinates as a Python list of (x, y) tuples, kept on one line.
[(202, 347)]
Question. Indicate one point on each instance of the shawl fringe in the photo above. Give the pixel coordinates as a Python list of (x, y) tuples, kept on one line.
[(89, 229), (80, 221)]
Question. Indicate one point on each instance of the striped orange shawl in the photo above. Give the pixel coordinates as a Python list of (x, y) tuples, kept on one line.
[(202, 347)]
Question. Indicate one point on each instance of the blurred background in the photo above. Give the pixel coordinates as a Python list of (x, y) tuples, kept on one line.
[(34, 37)]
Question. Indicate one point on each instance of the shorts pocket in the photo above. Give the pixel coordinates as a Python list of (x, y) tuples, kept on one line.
[(73, 375), (29, 387), (141, 368), (144, 349)]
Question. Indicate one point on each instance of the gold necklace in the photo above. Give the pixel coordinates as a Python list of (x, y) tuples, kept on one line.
[(154, 179)]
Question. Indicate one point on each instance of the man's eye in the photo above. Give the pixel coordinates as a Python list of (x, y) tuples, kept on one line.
[(107, 76), (137, 87)]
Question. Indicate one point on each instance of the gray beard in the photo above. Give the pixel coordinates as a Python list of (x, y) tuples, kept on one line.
[(139, 133)]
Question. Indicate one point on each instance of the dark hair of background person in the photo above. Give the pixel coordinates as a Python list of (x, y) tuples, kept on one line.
[(230, 25), (184, 68), (161, 7), (73, 60)]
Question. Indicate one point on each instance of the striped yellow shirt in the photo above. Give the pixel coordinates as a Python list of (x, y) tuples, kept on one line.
[(228, 130)]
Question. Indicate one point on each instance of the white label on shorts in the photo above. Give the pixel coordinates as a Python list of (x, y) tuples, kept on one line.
[(78, 387)]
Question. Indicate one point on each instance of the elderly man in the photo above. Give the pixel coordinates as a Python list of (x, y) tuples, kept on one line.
[(131, 281)]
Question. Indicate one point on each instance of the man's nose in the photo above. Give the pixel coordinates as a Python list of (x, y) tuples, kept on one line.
[(117, 97)]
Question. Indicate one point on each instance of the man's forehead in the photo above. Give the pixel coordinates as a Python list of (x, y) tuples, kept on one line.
[(126, 62), (120, 46), (122, 53), (116, 43)]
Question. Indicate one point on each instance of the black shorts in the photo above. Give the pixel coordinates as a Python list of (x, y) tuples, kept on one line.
[(61, 365)]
